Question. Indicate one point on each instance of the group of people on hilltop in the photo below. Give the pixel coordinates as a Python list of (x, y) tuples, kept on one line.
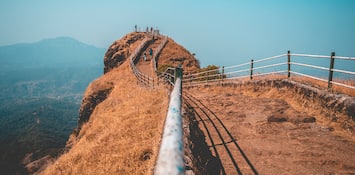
[(148, 30)]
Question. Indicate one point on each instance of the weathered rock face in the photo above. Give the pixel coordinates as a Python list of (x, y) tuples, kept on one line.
[(100, 91), (120, 50)]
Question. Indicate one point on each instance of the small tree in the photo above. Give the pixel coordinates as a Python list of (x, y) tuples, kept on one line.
[(162, 68), (210, 72)]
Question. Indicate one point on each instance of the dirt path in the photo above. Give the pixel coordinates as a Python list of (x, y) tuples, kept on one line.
[(146, 67), (258, 135)]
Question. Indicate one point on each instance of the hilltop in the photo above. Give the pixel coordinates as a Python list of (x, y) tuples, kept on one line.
[(230, 127), (120, 121)]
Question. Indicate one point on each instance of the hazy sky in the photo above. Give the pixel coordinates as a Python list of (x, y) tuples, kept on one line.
[(223, 32)]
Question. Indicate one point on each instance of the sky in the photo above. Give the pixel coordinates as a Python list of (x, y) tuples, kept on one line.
[(224, 32)]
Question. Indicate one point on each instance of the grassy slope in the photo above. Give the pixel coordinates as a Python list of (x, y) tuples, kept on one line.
[(123, 134)]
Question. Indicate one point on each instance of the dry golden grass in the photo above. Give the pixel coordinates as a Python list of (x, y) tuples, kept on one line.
[(123, 133), (324, 85), (174, 54), (301, 103), (312, 82)]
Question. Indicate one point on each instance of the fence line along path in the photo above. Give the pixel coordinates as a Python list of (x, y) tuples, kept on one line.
[(285, 64), (142, 59), (148, 56)]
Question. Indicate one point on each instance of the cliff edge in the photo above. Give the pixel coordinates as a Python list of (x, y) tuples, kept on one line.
[(120, 122)]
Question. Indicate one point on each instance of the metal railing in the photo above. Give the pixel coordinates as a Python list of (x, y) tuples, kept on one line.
[(270, 66), (142, 78), (171, 154), (168, 76), (160, 47)]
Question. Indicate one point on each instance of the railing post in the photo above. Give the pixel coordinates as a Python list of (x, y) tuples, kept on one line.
[(288, 64), (178, 72), (222, 74), (331, 66), (251, 69)]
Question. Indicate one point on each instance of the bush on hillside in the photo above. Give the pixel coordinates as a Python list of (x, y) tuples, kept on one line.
[(162, 68), (211, 72)]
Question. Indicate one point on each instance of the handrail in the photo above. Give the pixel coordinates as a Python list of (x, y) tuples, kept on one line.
[(220, 74), (171, 154), (308, 55), (311, 66), (270, 58), (155, 56), (143, 78)]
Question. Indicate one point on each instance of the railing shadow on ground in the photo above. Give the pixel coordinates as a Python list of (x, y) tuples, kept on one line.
[(191, 100), (220, 167)]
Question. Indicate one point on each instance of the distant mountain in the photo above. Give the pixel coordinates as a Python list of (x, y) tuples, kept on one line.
[(41, 86), (51, 67), (55, 52)]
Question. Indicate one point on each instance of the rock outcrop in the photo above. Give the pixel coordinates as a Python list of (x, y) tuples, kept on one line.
[(120, 50), (120, 122)]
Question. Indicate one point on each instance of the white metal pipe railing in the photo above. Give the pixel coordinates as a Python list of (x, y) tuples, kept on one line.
[(170, 159), (308, 65), (309, 76), (221, 73), (342, 84), (343, 71), (158, 50), (270, 58), (344, 58), (270, 73), (268, 66), (308, 55), (144, 79)]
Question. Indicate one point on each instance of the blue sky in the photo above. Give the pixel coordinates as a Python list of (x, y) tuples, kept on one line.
[(219, 32)]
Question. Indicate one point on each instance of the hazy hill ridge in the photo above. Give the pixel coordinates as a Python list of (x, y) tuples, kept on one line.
[(54, 52), (41, 86)]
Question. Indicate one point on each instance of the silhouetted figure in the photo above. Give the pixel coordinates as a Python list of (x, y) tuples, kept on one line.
[(151, 53), (145, 56), (135, 28)]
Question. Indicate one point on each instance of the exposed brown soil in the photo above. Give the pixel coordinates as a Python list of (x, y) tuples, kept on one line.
[(146, 67), (268, 132)]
